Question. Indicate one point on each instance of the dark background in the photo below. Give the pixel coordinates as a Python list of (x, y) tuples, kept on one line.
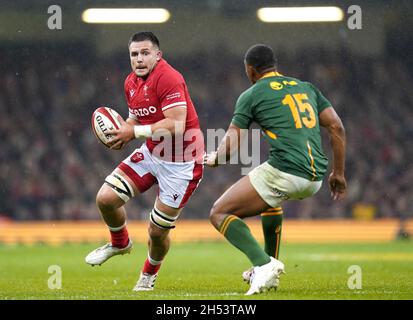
[(51, 165)]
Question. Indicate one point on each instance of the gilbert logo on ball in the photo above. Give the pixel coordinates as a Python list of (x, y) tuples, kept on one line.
[(105, 119)]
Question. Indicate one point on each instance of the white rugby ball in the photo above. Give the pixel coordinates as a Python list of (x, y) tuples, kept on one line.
[(105, 119)]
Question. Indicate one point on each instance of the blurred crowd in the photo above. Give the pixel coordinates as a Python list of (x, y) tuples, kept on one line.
[(51, 164)]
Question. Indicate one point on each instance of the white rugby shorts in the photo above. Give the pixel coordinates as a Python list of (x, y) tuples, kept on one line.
[(177, 180), (274, 185)]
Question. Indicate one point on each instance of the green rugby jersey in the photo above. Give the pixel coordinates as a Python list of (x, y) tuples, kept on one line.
[(287, 110)]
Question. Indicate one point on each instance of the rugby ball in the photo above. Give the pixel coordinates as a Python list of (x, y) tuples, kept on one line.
[(105, 119)]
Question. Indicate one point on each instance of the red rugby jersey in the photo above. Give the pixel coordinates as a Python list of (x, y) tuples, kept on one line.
[(148, 98)]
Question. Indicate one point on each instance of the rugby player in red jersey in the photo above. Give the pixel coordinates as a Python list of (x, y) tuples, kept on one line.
[(160, 110)]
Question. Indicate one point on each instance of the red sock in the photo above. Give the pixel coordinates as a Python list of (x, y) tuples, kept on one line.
[(120, 239), (150, 268)]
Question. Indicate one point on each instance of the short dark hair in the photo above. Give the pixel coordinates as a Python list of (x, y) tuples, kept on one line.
[(142, 36), (261, 57)]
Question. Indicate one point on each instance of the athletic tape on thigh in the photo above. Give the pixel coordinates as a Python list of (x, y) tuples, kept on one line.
[(119, 184), (162, 220)]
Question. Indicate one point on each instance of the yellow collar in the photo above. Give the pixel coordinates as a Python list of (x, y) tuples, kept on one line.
[(271, 74)]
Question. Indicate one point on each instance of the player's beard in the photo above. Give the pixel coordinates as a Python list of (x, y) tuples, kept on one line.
[(150, 69)]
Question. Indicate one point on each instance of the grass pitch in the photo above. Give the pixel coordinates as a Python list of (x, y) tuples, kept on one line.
[(210, 270)]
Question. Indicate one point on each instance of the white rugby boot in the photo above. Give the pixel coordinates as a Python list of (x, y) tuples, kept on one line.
[(246, 275), (146, 282), (266, 277), (103, 253)]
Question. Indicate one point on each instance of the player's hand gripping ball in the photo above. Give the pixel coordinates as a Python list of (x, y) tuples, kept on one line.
[(105, 119)]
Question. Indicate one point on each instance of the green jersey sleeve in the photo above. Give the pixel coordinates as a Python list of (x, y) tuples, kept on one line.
[(243, 117), (322, 102)]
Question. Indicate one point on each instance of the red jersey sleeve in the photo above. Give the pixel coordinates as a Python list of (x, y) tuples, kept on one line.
[(171, 91)]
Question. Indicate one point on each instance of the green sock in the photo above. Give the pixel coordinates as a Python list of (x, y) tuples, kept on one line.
[(271, 226), (239, 235)]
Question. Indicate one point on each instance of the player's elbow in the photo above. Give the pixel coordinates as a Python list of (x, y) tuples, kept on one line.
[(341, 131), (336, 128)]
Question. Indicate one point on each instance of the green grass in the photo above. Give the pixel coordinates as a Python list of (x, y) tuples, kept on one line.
[(209, 271)]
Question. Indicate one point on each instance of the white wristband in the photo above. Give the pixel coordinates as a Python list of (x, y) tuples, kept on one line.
[(143, 131)]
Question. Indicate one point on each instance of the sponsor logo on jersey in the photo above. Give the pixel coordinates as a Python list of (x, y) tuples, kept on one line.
[(276, 85), (145, 90), (142, 112), (132, 92), (137, 157), (173, 96)]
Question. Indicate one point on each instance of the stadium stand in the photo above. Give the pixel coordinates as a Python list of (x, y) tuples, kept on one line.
[(52, 166)]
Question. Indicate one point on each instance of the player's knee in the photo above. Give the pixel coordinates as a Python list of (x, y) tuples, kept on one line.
[(105, 200), (157, 234), (214, 212), (217, 208)]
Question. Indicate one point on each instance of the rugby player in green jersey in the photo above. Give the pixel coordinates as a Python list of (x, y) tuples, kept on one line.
[(290, 113)]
